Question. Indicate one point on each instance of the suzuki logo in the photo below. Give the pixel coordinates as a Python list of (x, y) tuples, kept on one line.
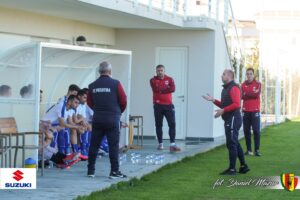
[(18, 175)]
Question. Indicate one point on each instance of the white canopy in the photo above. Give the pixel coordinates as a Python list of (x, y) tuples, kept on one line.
[(52, 68)]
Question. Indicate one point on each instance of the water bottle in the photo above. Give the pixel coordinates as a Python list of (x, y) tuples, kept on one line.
[(120, 160), (151, 159), (125, 157), (138, 158), (133, 154), (51, 164), (157, 160), (133, 160), (147, 160)]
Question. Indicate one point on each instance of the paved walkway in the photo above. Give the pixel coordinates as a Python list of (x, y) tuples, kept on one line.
[(68, 184)]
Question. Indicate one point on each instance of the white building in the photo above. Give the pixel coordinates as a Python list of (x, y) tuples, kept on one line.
[(188, 39)]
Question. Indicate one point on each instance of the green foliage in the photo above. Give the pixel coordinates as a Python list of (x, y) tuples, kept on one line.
[(252, 59), (234, 61)]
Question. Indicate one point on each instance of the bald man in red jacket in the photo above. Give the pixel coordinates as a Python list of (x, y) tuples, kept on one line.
[(230, 105)]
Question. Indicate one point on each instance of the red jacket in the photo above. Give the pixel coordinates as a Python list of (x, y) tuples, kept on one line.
[(235, 96), (162, 89), (251, 96)]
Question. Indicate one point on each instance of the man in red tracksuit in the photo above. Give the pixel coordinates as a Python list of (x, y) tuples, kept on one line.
[(163, 86), (251, 111)]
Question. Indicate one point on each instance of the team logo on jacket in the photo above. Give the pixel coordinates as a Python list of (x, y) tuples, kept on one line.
[(100, 90), (289, 182), (167, 82)]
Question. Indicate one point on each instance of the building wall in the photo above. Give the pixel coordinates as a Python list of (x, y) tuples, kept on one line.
[(201, 78), (36, 25), (206, 60), (222, 62)]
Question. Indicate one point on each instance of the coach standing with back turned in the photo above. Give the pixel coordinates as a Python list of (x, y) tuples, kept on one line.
[(108, 100)]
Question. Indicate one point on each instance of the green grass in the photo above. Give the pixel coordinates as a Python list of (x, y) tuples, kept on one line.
[(193, 177)]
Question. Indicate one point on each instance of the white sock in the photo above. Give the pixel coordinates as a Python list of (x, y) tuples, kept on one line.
[(173, 144)]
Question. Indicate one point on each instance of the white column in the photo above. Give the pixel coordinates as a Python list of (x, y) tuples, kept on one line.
[(260, 71), (162, 6), (290, 95), (298, 102), (37, 96), (150, 5), (226, 16), (174, 7), (284, 93), (209, 8), (277, 94), (185, 8), (217, 9), (266, 94)]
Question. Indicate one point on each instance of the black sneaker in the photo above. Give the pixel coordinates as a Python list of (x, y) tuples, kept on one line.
[(228, 172), (257, 153), (118, 174), (244, 169)]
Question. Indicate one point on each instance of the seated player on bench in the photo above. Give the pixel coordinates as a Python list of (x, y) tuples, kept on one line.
[(62, 118), (50, 153), (80, 118)]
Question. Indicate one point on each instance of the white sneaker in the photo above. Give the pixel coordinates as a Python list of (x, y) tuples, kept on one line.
[(160, 147), (249, 153), (91, 175)]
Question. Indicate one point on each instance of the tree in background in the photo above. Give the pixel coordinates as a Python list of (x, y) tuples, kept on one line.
[(252, 58), (234, 62)]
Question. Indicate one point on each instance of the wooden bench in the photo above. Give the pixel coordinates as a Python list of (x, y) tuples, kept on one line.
[(8, 128), (5, 151)]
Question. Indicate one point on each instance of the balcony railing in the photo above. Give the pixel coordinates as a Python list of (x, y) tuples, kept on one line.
[(216, 9), (219, 10)]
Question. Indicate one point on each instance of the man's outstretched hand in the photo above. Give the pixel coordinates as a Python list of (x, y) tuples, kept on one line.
[(207, 97)]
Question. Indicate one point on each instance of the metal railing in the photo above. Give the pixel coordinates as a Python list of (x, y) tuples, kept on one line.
[(219, 10), (215, 9)]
